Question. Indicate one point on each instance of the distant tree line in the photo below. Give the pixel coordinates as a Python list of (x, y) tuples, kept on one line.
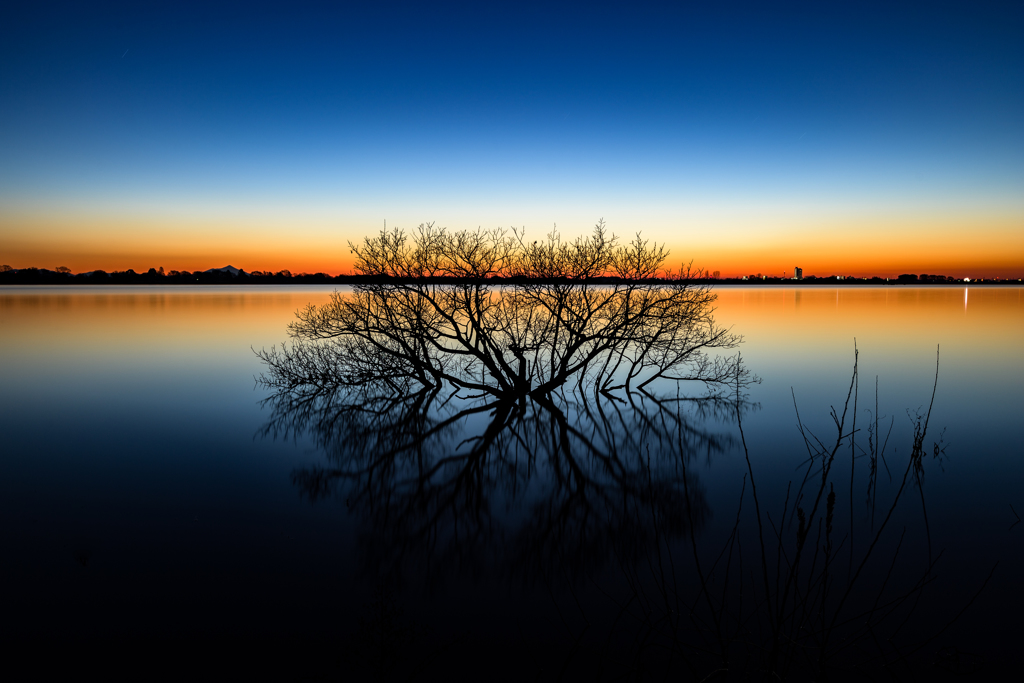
[(832, 280), (233, 276), (924, 277), (230, 276), (157, 276)]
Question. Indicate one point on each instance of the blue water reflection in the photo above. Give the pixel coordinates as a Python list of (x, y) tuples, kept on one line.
[(144, 495)]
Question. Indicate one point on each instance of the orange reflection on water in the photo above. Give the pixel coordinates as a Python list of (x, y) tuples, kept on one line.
[(978, 328), (872, 309), (793, 321), (89, 322)]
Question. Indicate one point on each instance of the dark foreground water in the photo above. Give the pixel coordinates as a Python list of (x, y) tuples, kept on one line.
[(155, 518)]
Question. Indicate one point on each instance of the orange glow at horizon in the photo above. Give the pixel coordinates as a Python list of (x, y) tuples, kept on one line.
[(961, 246)]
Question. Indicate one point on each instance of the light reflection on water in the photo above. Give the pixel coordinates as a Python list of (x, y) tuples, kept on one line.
[(129, 417)]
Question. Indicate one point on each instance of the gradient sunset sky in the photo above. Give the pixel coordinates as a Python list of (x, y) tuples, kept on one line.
[(854, 138)]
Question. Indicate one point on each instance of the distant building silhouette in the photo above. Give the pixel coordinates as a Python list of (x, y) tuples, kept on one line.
[(798, 273)]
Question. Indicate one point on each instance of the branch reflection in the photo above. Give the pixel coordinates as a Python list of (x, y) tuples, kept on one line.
[(460, 483)]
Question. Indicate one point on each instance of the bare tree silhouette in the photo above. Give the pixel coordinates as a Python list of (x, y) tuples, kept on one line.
[(443, 314)]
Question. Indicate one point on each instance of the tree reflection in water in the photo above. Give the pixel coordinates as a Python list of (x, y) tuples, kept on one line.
[(445, 483)]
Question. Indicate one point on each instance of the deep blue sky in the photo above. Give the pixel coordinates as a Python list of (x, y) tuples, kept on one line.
[(184, 129)]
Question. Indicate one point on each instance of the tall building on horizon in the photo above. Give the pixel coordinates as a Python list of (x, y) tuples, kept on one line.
[(798, 273)]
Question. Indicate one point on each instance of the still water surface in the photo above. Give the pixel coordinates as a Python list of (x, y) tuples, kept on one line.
[(142, 494)]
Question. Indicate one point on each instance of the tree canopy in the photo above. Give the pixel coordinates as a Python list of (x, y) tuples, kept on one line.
[(440, 320)]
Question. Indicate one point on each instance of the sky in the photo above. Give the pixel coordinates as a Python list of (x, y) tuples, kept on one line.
[(846, 138)]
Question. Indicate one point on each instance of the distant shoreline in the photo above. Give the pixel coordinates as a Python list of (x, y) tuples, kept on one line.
[(51, 278)]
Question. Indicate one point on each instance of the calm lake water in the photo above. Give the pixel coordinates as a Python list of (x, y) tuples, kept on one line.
[(146, 496)]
